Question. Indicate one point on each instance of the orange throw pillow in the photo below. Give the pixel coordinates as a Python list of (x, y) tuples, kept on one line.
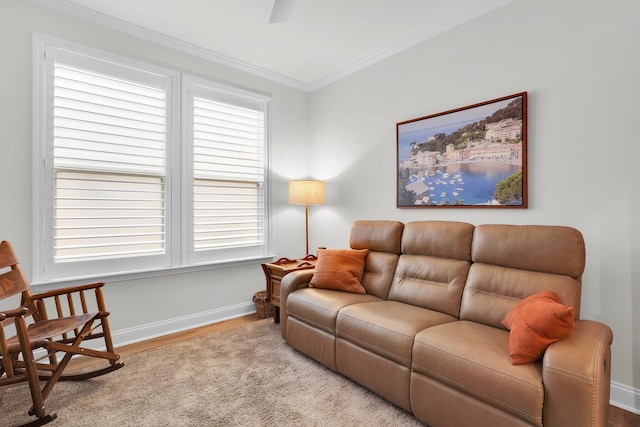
[(340, 269), (535, 322)]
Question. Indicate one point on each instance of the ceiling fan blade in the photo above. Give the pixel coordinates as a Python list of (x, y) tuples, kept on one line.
[(281, 11)]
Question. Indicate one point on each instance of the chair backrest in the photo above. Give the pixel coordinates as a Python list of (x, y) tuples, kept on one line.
[(14, 292), (12, 281), (512, 262), (433, 267), (382, 239)]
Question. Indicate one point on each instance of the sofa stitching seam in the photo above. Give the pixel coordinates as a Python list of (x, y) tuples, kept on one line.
[(379, 350)]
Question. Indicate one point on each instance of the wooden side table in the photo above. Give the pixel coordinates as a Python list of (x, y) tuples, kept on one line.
[(276, 270)]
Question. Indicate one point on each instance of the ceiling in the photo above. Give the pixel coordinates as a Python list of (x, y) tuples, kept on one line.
[(320, 42)]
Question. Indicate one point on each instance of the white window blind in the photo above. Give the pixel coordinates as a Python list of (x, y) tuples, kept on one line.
[(109, 162), (228, 150), (228, 170)]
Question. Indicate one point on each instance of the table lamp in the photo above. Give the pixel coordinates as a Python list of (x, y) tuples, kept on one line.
[(306, 192)]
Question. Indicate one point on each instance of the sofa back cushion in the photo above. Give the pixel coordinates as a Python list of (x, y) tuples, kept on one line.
[(433, 267), (512, 262), (382, 239)]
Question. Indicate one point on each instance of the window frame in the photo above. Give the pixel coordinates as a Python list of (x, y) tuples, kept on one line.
[(179, 194), (191, 86)]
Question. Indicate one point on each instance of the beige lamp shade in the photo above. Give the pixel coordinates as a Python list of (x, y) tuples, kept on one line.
[(306, 192)]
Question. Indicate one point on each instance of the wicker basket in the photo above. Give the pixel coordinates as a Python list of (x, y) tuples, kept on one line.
[(263, 308)]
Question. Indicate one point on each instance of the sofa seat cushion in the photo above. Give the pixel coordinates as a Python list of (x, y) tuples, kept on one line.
[(474, 359), (320, 307), (387, 328)]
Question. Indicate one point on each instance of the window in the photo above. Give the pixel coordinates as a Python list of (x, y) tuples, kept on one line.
[(226, 142), (127, 182)]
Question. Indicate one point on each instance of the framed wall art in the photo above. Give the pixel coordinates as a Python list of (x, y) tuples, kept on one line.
[(470, 157)]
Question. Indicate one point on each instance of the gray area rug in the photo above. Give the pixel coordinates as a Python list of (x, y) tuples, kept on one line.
[(243, 376)]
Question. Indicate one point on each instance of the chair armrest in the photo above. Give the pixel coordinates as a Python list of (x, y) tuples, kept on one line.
[(576, 373), (70, 300), (291, 282), (7, 317), (16, 312), (66, 291)]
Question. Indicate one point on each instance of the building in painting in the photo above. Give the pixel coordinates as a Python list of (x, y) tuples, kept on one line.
[(504, 130)]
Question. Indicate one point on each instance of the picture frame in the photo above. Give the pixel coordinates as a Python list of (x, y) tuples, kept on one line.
[(468, 157)]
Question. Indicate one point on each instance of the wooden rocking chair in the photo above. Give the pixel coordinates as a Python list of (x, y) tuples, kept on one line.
[(32, 353)]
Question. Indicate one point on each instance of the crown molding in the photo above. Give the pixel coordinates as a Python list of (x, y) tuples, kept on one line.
[(479, 8), (462, 17)]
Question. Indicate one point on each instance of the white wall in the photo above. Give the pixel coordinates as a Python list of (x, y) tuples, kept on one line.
[(152, 305), (580, 63)]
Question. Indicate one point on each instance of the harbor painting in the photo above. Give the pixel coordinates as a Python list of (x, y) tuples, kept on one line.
[(473, 157)]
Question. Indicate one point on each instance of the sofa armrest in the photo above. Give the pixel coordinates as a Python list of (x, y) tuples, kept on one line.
[(578, 366), (291, 282)]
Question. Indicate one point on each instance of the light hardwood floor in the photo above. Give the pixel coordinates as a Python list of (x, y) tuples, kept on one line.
[(617, 417)]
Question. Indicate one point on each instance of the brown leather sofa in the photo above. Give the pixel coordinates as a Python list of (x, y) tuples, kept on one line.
[(427, 336)]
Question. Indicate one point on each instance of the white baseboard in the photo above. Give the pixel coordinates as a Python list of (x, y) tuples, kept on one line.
[(170, 326), (625, 397)]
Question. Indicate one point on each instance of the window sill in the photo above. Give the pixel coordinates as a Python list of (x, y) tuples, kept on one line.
[(145, 274)]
